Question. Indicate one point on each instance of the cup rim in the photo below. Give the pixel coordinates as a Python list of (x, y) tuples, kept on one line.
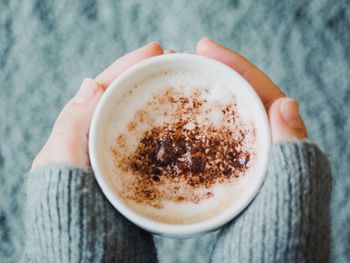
[(166, 229)]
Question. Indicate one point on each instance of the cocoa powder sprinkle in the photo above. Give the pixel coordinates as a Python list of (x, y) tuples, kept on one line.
[(200, 157), (174, 159)]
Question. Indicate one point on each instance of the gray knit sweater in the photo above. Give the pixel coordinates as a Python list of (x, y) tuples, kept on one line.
[(69, 220)]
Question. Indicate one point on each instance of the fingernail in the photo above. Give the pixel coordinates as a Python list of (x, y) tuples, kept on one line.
[(169, 51), (153, 43), (86, 91), (207, 39), (289, 110)]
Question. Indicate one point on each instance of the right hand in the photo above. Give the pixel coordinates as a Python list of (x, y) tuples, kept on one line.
[(285, 120)]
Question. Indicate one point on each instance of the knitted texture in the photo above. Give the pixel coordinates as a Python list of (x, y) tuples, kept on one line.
[(69, 220), (289, 221)]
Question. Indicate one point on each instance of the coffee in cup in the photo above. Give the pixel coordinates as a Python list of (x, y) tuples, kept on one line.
[(180, 148)]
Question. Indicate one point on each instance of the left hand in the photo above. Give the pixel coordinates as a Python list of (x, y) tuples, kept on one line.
[(68, 142)]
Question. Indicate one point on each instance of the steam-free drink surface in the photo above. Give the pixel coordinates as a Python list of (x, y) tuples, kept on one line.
[(180, 148)]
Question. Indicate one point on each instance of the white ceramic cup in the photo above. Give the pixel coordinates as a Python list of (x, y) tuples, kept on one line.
[(149, 67)]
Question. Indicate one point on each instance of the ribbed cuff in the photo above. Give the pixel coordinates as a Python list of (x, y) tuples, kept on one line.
[(289, 221), (69, 220)]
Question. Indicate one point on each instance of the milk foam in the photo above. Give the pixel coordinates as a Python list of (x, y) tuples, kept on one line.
[(136, 98)]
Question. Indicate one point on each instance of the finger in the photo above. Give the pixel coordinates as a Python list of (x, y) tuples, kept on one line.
[(285, 120), (263, 85), (169, 51), (68, 140), (121, 64)]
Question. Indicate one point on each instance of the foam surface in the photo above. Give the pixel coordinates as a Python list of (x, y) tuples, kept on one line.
[(145, 105)]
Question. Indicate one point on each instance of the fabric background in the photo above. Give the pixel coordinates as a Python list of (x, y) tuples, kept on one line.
[(48, 47)]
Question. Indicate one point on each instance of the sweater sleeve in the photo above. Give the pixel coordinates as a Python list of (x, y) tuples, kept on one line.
[(69, 220), (289, 220)]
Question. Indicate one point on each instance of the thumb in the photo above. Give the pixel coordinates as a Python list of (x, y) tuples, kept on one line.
[(285, 120), (76, 115), (68, 142)]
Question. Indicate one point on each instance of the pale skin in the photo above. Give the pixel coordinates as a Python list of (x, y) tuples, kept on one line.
[(68, 142)]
